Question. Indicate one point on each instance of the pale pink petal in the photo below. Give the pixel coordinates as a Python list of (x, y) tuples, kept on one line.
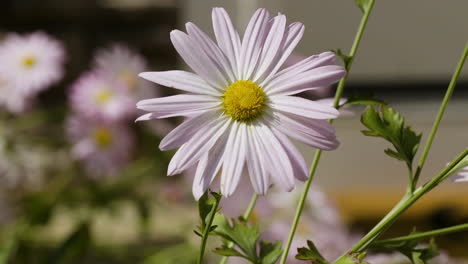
[(192, 151), (185, 131), (291, 38), (275, 157), (303, 107), (258, 173), (178, 105), (182, 80), (297, 160), (208, 167), (315, 78), (145, 117), (234, 159), (227, 38), (312, 132), (253, 41), (195, 57), (271, 46), (212, 51)]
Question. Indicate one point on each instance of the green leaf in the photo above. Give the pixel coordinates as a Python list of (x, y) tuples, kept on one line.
[(270, 252), (228, 252), (364, 99), (390, 125), (363, 5), (310, 253), (207, 207), (241, 234)]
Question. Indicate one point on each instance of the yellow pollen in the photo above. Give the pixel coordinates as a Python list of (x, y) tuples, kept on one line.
[(102, 137), (244, 101), (103, 96), (29, 61)]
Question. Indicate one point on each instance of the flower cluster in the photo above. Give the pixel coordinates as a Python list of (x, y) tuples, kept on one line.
[(103, 102), (29, 64)]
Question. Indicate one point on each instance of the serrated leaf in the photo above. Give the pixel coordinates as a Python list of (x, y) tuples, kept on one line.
[(364, 99), (390, 125), (241, 234), (228, 252), (311, 253), (363, 5), (270, 252)]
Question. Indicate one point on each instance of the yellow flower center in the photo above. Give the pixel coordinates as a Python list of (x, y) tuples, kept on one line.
[(29, 61), (244, 101), (102, 137), (103, 96)]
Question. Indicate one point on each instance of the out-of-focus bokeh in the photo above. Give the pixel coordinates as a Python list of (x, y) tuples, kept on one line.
[(84, 184)]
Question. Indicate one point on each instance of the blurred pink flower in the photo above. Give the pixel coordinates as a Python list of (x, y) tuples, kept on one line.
[(124, 65), (12, 97), (104, 147), (98, 96), (31, 62)]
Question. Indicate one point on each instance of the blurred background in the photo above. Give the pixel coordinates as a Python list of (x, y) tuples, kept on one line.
[(60, 204)]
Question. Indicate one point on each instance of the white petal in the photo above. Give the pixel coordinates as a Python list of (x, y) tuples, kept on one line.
[(253, 41), (234, 159), (227, 37), (258, 173), (304, 107), (278, 162), (208, 167), (297, 160), (291, 38), (178, 105), (271, 46), (192, 151), (317, 77), (145, 117), (212, 51), (182, 80), (185, 131), (190, 50), (312, 132)]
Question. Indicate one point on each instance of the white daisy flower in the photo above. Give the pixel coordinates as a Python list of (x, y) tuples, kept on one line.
[(98, 96), (241, 106), (103, 147), (33, 61), (124, 64)]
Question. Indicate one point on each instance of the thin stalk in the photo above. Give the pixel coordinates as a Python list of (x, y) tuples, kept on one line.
[(246, 216), (436, 124), (407, 201), (318, 153), (432, 233), (206, 232)]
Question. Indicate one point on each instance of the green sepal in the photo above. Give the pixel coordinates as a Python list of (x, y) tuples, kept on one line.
[(311, 253)]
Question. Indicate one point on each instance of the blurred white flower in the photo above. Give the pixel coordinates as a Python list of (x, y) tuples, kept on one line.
[(98, 96), (103, 147), (124, 65), (31, 62), (13, 98), (461, 175)]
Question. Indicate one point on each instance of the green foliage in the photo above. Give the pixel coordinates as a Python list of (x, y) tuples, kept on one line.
[(414, 251), (207, 208), (364, 99), (353, 258), (73, 249), (364, 5), (387, 123), (183, 253), (311, 253), (246, 238)]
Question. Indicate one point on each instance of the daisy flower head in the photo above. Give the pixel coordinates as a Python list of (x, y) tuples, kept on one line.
[(241, 106), (99, 96), (124, 64), (103, 147), (33, 61)]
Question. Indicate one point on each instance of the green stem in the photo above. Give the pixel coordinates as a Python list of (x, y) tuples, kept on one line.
[(436, 124), (245, 216), (433, 233), (318, 153), (206, 232), (407, 201)]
